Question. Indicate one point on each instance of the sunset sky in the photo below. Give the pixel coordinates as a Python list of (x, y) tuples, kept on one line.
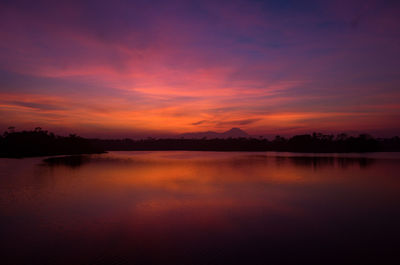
[(159, 68)]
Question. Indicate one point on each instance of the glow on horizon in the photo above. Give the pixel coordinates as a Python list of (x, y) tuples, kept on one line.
[(135, 68)]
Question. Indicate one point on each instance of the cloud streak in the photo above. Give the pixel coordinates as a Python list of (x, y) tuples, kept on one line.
[(174, 66)]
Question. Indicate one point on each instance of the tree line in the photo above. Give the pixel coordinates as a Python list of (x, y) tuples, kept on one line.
[(314, 143), (39, 142)]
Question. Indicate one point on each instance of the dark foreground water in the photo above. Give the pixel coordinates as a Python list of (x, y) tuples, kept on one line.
[(201, 208)]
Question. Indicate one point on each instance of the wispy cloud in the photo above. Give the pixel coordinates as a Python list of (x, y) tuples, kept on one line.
[(237, 122), (199, 122), (182, 65)]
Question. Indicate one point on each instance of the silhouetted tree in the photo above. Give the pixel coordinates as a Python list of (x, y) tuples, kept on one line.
[(316, 142), (40, 143)]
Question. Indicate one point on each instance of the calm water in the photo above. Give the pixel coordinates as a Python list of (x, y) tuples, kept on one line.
[(201, 208)]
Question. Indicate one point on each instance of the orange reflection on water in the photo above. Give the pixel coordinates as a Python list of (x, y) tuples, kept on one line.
[(163, 202)]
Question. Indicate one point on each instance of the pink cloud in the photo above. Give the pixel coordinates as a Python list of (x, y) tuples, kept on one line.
[(167, 69)]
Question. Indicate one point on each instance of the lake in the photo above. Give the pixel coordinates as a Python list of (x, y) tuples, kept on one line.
[(201, 208)]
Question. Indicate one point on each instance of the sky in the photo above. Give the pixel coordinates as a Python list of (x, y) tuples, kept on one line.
[(159, 68)]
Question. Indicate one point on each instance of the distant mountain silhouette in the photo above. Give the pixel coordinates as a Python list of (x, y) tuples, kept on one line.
[(232, 133), (42, 143)]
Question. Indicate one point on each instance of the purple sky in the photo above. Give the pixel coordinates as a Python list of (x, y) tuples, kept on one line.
[(154, 68)]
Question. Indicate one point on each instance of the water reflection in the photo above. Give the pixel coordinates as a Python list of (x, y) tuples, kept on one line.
[(69, 161), (302, 161), (200, 208), (343, 162)]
